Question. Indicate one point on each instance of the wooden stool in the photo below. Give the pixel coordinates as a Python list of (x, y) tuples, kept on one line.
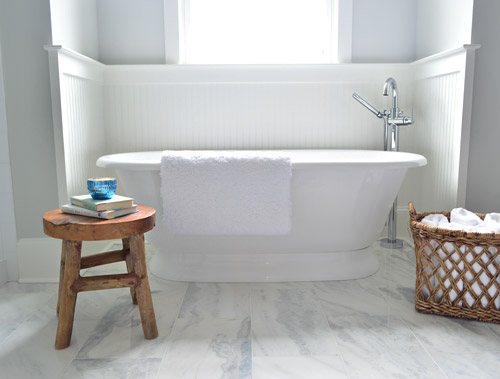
[(73, 229)]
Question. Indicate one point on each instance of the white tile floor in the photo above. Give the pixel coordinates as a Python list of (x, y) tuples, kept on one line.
[(346, 329)]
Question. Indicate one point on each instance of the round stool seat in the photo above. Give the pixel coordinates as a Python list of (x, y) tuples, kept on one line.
[(72, 227)]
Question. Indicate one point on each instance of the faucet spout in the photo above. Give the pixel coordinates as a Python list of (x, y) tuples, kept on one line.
[(390, 82)]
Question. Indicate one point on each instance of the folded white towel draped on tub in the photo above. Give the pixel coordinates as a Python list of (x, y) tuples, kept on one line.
[(226, 192)]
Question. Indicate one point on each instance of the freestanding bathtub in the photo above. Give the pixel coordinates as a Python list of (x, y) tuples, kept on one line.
[(340, 201)]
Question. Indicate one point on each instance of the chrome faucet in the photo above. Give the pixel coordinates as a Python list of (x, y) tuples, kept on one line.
[(390, 82), (393, 118), (395, 114)]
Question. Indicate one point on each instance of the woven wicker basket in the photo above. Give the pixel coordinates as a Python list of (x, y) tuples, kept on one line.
[(458, 273)]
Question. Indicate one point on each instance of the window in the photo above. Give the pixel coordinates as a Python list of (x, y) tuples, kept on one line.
[(258, 31)]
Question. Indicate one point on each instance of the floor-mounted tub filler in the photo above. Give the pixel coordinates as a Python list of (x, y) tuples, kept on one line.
[(340, 201), (393, 119)]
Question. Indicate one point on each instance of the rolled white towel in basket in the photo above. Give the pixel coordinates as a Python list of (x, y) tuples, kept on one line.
[(226, 192), (492, 221), (481, 228), (435, 219), (464, 217)]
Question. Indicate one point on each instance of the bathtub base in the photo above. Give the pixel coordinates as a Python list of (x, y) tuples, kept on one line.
[(256, 267)]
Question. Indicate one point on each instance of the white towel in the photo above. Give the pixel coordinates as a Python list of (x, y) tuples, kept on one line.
[(464, 217), (435, 219), (481, 228), (226, 192), (492, 221)]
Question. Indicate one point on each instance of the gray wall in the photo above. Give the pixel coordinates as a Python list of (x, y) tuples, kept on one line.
[(483, 179), (24, 29), (4, 164), (74, 25), (405, 30), (443, 25), (379, 38), (111, 31), (8, 239), (131, 31)]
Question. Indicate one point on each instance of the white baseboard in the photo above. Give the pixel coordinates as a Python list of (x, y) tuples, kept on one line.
[(3, 271), (39, 258), (12, 268), (403, 225)]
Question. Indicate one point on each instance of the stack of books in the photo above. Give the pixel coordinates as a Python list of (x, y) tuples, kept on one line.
[(85, 205)]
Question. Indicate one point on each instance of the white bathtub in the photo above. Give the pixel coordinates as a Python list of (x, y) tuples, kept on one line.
[(340, 201)]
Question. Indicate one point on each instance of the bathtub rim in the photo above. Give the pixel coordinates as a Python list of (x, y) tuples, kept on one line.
[(152, 163)]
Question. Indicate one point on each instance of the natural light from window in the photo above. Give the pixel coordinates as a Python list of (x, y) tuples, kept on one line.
[(258, 31)]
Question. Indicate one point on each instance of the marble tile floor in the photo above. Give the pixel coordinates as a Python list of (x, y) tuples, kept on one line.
[(365, 328)]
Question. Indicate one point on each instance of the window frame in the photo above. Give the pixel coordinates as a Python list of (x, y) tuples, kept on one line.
[(341, 31)]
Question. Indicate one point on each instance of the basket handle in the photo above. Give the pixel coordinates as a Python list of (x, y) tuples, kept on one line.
[(412, 212)]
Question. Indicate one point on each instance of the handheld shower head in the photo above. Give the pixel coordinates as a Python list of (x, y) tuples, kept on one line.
[(367, 105)]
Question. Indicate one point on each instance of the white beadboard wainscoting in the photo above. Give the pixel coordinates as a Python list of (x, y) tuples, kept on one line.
[(442, 97), (243, 107), (103, 109), (77, 110)]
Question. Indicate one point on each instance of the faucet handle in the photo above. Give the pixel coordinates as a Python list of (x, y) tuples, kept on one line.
[(408, 120)]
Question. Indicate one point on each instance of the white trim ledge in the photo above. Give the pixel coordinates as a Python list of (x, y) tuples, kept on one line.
[(446, 53), (72, 53), (275, 73)]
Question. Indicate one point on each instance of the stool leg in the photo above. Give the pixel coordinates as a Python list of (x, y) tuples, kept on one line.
[(143, 291), (130, 267), (67, 298), (61, 279)]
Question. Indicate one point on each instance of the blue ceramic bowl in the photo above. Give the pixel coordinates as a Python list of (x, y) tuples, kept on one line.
[(101, 188)]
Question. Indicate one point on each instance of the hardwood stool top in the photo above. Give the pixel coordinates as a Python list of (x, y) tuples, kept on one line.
[(73, 229)]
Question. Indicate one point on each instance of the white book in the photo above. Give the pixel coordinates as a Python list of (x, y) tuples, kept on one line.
[(73, 209)]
